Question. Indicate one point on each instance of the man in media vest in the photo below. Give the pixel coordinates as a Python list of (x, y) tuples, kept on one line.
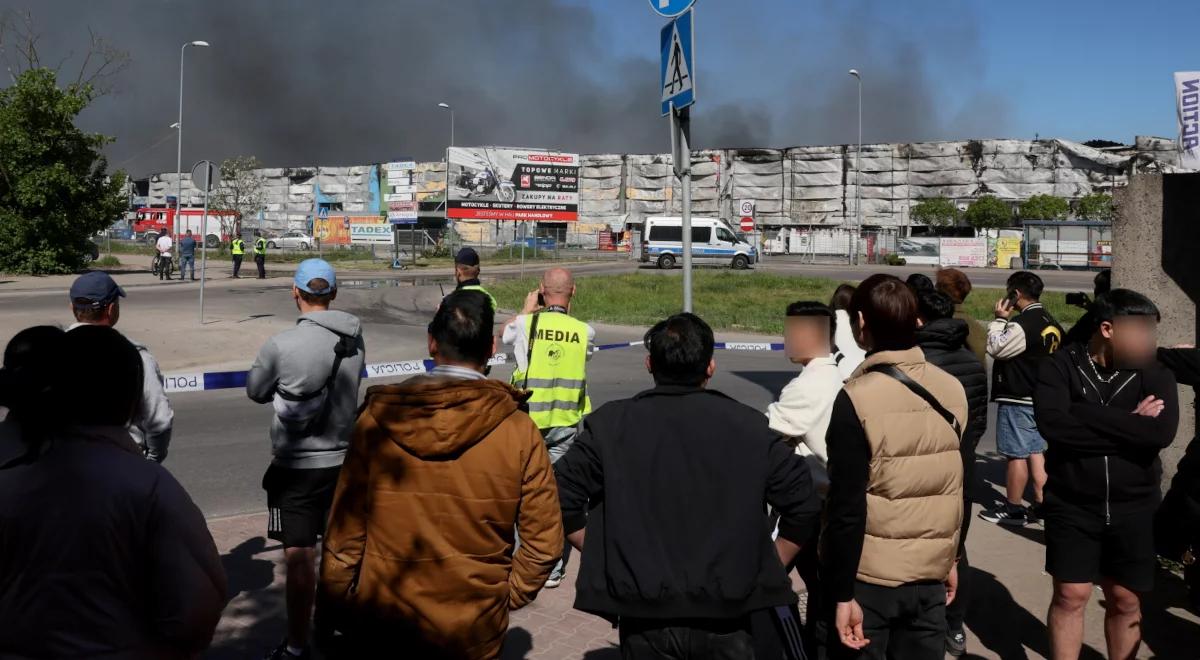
[(552, 350)]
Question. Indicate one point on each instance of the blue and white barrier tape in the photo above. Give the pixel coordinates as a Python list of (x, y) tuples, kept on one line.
[(202, 381)]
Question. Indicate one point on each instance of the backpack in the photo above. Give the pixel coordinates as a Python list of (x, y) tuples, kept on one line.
[(306, 413)]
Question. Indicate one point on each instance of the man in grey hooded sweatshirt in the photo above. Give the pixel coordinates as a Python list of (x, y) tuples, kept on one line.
[(310, 373)]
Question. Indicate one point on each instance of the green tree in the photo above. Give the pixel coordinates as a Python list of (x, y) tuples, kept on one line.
[(55, 190), (935, 212), (1096, 206), (240, 189), (1044, 207), (988, 212)]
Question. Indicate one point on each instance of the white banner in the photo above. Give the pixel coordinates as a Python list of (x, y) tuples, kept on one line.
[(1187, 107), (966, 252)]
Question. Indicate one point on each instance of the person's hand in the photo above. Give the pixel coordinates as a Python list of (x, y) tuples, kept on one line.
[(531, 303), (1151, 406), (1003, 308), (849, 620), (952, 583)]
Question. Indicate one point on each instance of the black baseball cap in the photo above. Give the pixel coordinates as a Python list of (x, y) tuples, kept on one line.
[(467, 257), (96, 289)]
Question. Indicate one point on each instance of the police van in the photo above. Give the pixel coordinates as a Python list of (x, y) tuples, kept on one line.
[(713, 242)]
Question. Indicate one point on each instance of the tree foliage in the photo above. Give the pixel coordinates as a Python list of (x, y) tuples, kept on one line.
[(935, 212), (1096, 206), (988, 212), (55, 191), (240, 189), (1044, 207)]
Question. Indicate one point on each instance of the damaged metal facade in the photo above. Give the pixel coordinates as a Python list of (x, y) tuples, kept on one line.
[(797, 186)]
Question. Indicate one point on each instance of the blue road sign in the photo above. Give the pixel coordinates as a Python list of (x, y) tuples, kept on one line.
[(323, 213), (671, 8), (676, 73)]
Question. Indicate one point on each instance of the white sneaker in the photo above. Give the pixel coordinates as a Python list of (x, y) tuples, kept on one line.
[(554, 581)]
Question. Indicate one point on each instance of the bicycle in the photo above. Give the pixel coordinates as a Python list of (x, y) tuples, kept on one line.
[(157, 264)]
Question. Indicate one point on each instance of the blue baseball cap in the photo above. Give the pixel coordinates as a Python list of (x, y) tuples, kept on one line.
[(312, 269), (95, 289)]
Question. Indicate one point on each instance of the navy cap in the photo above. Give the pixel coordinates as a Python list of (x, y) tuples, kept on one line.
[(96, 288), (467, 257)]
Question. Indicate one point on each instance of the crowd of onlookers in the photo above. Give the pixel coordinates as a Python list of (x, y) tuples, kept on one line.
[(414, 522)]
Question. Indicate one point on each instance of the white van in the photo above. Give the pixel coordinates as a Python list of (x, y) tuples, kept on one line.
[(713, 242)]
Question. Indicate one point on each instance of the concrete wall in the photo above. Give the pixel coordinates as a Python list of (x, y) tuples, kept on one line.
[(1158, 229)]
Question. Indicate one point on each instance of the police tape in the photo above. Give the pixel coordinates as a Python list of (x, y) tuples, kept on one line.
[(203, 381)]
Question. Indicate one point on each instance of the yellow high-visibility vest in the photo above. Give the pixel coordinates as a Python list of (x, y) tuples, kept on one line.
[(557, 373), (237, 246), (260, 246), (476, 287)]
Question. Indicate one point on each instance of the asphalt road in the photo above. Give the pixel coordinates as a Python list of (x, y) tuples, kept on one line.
[(220, 446)]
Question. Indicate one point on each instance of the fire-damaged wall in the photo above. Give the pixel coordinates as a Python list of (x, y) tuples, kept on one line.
[(812, 185)]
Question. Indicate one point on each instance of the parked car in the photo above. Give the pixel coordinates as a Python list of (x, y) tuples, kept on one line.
[(295, 239)]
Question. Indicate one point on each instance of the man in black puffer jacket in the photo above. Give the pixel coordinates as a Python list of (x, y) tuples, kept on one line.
[(944, 341)]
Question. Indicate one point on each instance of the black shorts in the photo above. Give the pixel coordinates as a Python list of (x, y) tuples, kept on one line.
[(1081, 547), (298, 503)]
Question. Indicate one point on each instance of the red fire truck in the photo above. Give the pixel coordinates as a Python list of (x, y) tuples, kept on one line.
[(150, 221)]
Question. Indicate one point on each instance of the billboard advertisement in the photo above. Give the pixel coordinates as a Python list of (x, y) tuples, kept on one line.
[(332, 229), (918, 250), (371, 229), (964, 252), (493, 183)]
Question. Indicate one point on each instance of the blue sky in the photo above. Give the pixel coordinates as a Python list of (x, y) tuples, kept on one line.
[(1064, 68)]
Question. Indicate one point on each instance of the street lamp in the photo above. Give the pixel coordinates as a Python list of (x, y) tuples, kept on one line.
[(179, 144), (857, 187), (446, 106)]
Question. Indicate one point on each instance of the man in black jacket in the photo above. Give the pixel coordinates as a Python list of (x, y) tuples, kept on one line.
[(1106, 410), (943, 338), (1177, 521), (669, 487)]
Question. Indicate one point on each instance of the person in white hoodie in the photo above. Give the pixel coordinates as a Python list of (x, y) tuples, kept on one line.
[(802, 415), (846, 350)]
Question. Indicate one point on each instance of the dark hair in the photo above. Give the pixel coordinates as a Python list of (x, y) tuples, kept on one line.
[(1029, 284), (86, 312), (954, 283), (27, 366), (681, 348), (1123, 302), (934, 305), (86, 354), (919, 282), (889, 309), (462, 327), (1102, 283), (841, 297), (320, 284), (814, 308)]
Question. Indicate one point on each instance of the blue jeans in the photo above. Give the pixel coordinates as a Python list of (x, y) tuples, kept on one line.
[(1017, 433), (187, 262)]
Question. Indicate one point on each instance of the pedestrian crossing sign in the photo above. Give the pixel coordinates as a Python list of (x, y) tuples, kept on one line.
[(677, 71)]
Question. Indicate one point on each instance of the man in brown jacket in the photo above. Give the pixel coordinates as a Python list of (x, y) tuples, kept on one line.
[(419, 555)]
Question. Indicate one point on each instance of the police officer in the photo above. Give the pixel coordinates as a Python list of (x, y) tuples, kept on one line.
[(237, 247), (552, 350), (466, 273), (260, 254)]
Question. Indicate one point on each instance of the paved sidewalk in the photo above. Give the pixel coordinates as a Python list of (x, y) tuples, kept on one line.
[(1009, 596)]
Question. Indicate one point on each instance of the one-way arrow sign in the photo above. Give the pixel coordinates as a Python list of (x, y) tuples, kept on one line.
[(677, 74)]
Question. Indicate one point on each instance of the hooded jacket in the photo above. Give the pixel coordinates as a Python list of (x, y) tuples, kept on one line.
[(419, 552), (299, 361), (944, 343), (1099, 454), (103, 555)]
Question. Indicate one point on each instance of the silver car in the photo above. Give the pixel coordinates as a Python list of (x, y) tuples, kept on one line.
[(295, 239)]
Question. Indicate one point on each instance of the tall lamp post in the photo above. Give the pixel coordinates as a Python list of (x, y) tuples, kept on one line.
[(179, 145), (446, 106), (857, 170)]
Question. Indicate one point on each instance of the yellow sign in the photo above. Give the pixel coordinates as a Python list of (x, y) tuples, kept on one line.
[(1007, 247)]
